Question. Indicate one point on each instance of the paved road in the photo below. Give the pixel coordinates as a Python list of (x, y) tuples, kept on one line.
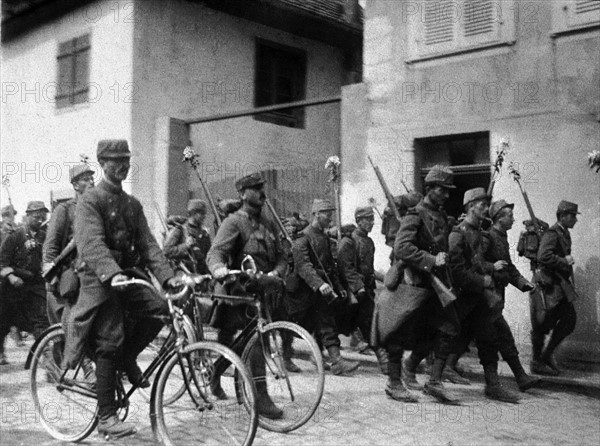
[(355, 411)]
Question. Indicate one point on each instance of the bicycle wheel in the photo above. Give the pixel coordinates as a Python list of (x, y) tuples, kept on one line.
[(67, 407), (292, 375), (167, 334), (232, 421)]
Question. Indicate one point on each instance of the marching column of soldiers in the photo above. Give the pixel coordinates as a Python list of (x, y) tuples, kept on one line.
[(447, 282)]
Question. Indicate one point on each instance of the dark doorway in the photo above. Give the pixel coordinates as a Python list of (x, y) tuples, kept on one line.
[(468, 155)]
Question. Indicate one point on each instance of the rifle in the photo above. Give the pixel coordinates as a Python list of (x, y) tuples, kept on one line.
[(194, 159), (278, 221), (517, 177), (536, 224), (52, 272), (445, 294)]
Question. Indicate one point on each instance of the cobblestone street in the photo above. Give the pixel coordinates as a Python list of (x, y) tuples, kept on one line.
[(355, 411)]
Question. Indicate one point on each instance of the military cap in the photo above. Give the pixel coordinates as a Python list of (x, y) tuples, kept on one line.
[(477, 193), (364, 212), (76, 171), (34, 206), (252, 180), (113, 148), (8, 210), (497, 206), (320, 205), (441, 175), (196, 205), (566, 207)]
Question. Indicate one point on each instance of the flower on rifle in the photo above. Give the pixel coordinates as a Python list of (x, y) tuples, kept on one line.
[(189, 155), (333, 165), (594, 160)]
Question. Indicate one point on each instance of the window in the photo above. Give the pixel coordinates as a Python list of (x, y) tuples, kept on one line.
[(73, 71), (444, 27), (280, 78), (571, 15), (467, 154)]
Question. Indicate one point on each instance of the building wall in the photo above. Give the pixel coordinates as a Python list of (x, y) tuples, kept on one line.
[(190, 61), (37, 138), (540, 93)]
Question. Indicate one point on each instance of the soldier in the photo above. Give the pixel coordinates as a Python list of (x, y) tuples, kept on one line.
[(423, 256), (502, 217), (356, 255), (24, 293), (311, 306), (59, 234), (472, 276), (190, 242), (557, 292), (8, 221), (112, 234), (246, 232)]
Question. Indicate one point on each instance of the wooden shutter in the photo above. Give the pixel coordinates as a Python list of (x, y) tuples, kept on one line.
[(447, 26), (583, 13), (570, 15)]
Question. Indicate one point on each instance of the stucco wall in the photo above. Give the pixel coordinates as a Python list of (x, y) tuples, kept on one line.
[(540, 93), (37, 138), (191, 61)]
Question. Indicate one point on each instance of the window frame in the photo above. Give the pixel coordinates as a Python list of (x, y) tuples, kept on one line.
[(295, 118), (73, 55), (503, 31)]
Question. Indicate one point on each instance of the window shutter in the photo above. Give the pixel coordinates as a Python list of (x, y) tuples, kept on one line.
[(435, 30), (583, 13), (570, 15), (480, 22)]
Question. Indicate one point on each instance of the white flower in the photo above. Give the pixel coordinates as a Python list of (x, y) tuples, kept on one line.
[(332, 161)]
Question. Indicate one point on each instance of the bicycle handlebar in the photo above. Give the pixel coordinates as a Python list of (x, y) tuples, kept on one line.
[(189, 282)]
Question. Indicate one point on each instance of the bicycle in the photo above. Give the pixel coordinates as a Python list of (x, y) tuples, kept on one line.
[(182, 382), (294, 376)]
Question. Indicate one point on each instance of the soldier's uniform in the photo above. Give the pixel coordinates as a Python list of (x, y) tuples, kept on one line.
[(472, 275), (498, 249), (433, 328), (176, 248), (21, 256), (112, 235), (554, 278), (58, 236), (246, 232), (356, 256), (306, 306)]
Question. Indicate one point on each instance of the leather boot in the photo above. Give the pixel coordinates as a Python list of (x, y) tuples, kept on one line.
[(288, 353), (494, 389), (450, 373), (524, 381), (340, 366), (382, 359), (409, 375), (264, 404), (111, 427), (537, 366), (434, 386), (395, 388)]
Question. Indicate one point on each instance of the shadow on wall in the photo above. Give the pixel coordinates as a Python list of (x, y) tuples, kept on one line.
[(587, 331)]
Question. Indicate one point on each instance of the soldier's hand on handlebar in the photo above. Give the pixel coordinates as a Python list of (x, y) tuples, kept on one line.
[(529, 287), (16, 281), (500, 265), (326, 290), (174, 282), (441, 258), (221, 272), (117, 279), (189, 241), (570, 260)]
